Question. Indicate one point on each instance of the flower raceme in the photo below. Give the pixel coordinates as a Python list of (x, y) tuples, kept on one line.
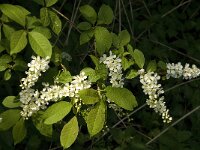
[(177, 71), (113, 63), (154, 90), (33, 100)]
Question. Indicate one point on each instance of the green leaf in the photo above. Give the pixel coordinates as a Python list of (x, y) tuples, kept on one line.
[(40, 44), (139, 58), (9, 118), (124, 38), (115, 40), (89, 96), (132, 74), (102, 71), (95, 60), (91, 73), (64, 77), (69, 133), (43, 30), (33, 22), (103, 40), (56, 24), (18, 41), (44, 16), (86, 36), (8, 31), (56, 112), (57, 56), (105, 15), (122, 97), (20, 64), (15, 13), (84, 26), (38, 122), (88, 13), (7, 75), (96, 119), (152, 66), (11, 102), (19, 131), (162, 65), (50, 2), (126, 63), (3, 66), (5, 58)]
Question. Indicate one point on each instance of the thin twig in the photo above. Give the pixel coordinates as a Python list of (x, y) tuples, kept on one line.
[(170, 48), (120, 19), (173, 9), (173, 124)]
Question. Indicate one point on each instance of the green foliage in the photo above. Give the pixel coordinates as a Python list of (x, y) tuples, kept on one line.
[(122, 97), (96, 118), (89, 96), (9, 118), (19, 131), (69, 133), (105, 15), (139, 58), (56, 112), (103, 39), (11, 102), (18, 41), (40, 44), (88, 13)]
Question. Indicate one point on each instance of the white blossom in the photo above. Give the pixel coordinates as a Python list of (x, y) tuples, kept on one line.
[(113, 63), (177, 71), (36, 66), (154, 91), (34, 100)]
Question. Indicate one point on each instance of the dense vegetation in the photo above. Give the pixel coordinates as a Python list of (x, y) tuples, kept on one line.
[(75, 34)]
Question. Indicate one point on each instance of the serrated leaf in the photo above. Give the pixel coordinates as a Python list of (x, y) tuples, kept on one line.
[(86, 36), (84, 26), (56, 112), (8, 31), (139, 58), (124, 38), (88, 13), (96, 118), (5, 58), (38, 122), (44, 16), (11, 102), (122, 97), (15, 13), (19, 131), (105, 15), (43, 30), (89, 96), (9, 118), (40, 44), (103, 40), (56, 24), (132, 74), (18, 41), (69, 133), (50, 2), (152, 66)]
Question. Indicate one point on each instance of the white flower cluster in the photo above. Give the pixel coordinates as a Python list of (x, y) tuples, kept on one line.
[(154, 90), (34, 100), (113, 63), (36, 66), (177, 71)]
